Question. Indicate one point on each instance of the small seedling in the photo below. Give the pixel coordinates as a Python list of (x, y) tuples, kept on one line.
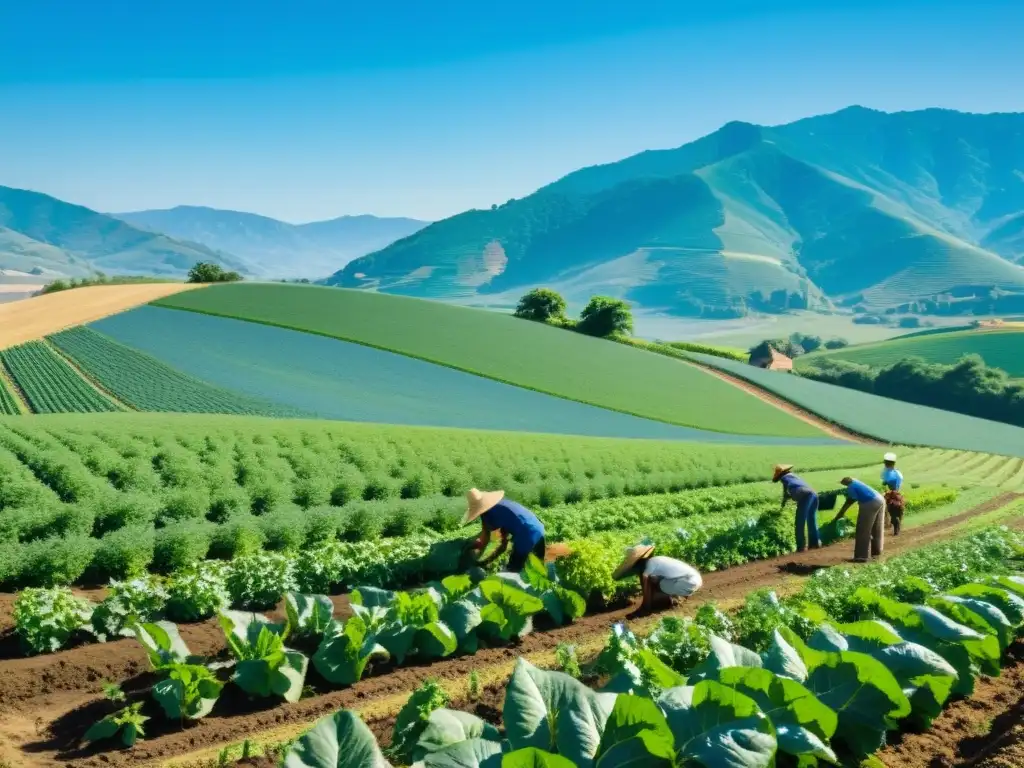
[(565, 655), (473, 688), (113, 692)]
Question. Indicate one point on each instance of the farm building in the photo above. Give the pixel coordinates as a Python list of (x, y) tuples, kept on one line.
[(773, 361)]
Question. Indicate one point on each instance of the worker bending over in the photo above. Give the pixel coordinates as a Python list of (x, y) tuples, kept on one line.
[(659, 576), (870, 535), (892, 480), (806, 498), (511, 520)]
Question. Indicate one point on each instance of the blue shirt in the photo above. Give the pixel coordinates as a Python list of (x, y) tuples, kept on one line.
[(861, 492), (795, 487), (892, 477), (517, 521)]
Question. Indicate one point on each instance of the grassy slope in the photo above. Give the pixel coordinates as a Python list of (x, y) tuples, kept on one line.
[(1001, 349), (514, 351), (889, 420)]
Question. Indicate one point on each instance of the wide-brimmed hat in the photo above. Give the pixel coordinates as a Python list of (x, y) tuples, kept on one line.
[(889, 457), (780, 470), (479, 502), (633, 555)]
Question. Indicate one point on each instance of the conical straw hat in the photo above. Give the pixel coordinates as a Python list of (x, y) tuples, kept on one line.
[(780, 470), (633, 555), (479, 502)]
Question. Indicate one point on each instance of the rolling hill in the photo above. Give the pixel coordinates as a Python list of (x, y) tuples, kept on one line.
[(46, 235), (1003, 348), (857, 208), (275, 248)]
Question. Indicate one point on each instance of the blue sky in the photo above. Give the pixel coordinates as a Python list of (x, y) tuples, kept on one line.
[(427, 109)]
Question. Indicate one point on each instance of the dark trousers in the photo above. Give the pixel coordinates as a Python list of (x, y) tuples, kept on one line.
[(518, 559), (807, 519)]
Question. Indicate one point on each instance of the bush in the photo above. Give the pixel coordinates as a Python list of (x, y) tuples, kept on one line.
[(120, 510), (312, 492), (605, 316), (225, 502), (205, 272), (60, 560), (541, 304), (588, 570), (836, 343), (46, 619), (284, 529), (258, 582), (240, 536), (321, 525), (184, 504), (124, 553), (181, 545), (139, 600), (197, 593)]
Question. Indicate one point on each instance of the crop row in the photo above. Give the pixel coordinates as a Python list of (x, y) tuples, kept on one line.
[(49, 383), (8, 403), (776, 681), (147, 384)]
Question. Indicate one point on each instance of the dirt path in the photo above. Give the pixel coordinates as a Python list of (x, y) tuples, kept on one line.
[(830, 429), (47, 702)]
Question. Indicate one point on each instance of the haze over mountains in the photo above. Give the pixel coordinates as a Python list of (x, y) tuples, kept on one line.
[(855, 208), (274, 248)]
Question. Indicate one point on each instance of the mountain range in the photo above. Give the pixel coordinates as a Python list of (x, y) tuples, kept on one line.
[(274, 248), (859, 208)]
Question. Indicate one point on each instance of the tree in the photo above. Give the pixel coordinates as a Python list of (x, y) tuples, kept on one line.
[(806, 343), (836, 343), (604, 316), (541, 304), (786, 347), (206, 272)]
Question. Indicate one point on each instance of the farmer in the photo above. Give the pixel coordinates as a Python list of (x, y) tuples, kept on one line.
[(797, 489), (870, 536), (510, 519), (659, 576), (892, 480)]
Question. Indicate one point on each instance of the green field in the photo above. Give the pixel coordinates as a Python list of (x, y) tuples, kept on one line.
[(504, 348), (49, 383), (999, 349), (879, 417), (8, 403)]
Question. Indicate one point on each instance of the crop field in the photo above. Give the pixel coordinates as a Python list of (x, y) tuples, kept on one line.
[(998, 348), (501, 347), (8, 403), (49, 383), (32, 319), (879, 417), (334, 379), (146, 384)]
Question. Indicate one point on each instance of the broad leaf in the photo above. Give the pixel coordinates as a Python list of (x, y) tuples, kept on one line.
[(340, 740), (534, 758), (803, 725), (997, 621), (281, 673), (189, 692), (372, 597), (473, 753), (554, 712), (1011, 604), (983, 649), (446, 727), (463, 617), (508, 608), (345, 651), (783, 659), (723, 655), (717, 727), (456, 586), (308, 615), (162, 642), (251, 635), (634, 668), (635, 734), (436, 640)]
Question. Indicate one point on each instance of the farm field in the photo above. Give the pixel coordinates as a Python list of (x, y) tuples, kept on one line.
[(501, 347), (49, 383), (334, 379), (998, 348), (39, 316), (146, 384), (879, 417), (8, 402)]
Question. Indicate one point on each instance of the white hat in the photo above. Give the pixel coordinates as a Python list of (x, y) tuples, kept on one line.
[(479, 502), (889, 457)]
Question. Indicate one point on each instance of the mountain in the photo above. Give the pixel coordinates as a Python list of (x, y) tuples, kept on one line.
[(922, 211), (274, 248), (44, 235)]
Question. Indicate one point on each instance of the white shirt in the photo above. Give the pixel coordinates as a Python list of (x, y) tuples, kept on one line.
[(682, 579)]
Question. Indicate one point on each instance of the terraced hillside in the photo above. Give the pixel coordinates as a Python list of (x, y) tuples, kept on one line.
[(501, 347), (998, 348)]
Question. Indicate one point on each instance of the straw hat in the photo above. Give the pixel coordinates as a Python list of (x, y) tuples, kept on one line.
[(479, 502), (780, 470), (889, 457), (633, 555)]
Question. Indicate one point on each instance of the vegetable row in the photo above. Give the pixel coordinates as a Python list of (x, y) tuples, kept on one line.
[(51, 385)]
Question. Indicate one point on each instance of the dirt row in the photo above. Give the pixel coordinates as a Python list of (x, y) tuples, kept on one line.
[(47, 702)]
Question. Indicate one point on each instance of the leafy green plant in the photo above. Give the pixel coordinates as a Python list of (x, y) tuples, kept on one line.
[(508, 610), (346, 649), (264, 666), (188, 692), (259, 581), (413, 717), (308, 615), (562, 605), (197, 593), (127, 603), (680, 643), (125, 723), (163, 644), (565, 657), (113, 692), (46, 619)]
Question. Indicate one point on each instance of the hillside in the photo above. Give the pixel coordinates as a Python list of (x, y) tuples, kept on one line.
[(39, 232), (854, 208), (998, 348), (275, 248)]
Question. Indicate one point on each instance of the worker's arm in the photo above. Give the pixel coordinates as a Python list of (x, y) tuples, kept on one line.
[(499, 551), (647, 591), (842, 512), (480, 543), (785, 497)]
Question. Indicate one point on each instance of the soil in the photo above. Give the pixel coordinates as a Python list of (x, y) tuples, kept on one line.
[(47, 702), (829, 428)]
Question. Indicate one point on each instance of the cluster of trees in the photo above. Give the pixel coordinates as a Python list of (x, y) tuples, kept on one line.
[(797, 344), (207, 272), (967, 386), (603, 316)]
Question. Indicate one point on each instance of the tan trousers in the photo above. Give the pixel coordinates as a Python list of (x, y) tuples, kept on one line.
[(870, 536)]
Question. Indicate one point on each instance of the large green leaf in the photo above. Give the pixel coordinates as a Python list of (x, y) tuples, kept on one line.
[(863, 693), (634, 668), (723, 655), (188, 692), (473, 753), (308, 615), (398, 639), (251, 635), (991, 616), (446, 727), (1014, 584), (282, 674), (534, 758), (554, 712), (983, 649), (508, 608), (162, 642), (345, 651), (340, 740), (803, 725), (718, 727), (783, 659), (463, 617), (372, 597), (1011, 604), (436, 640), (635, 734)]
